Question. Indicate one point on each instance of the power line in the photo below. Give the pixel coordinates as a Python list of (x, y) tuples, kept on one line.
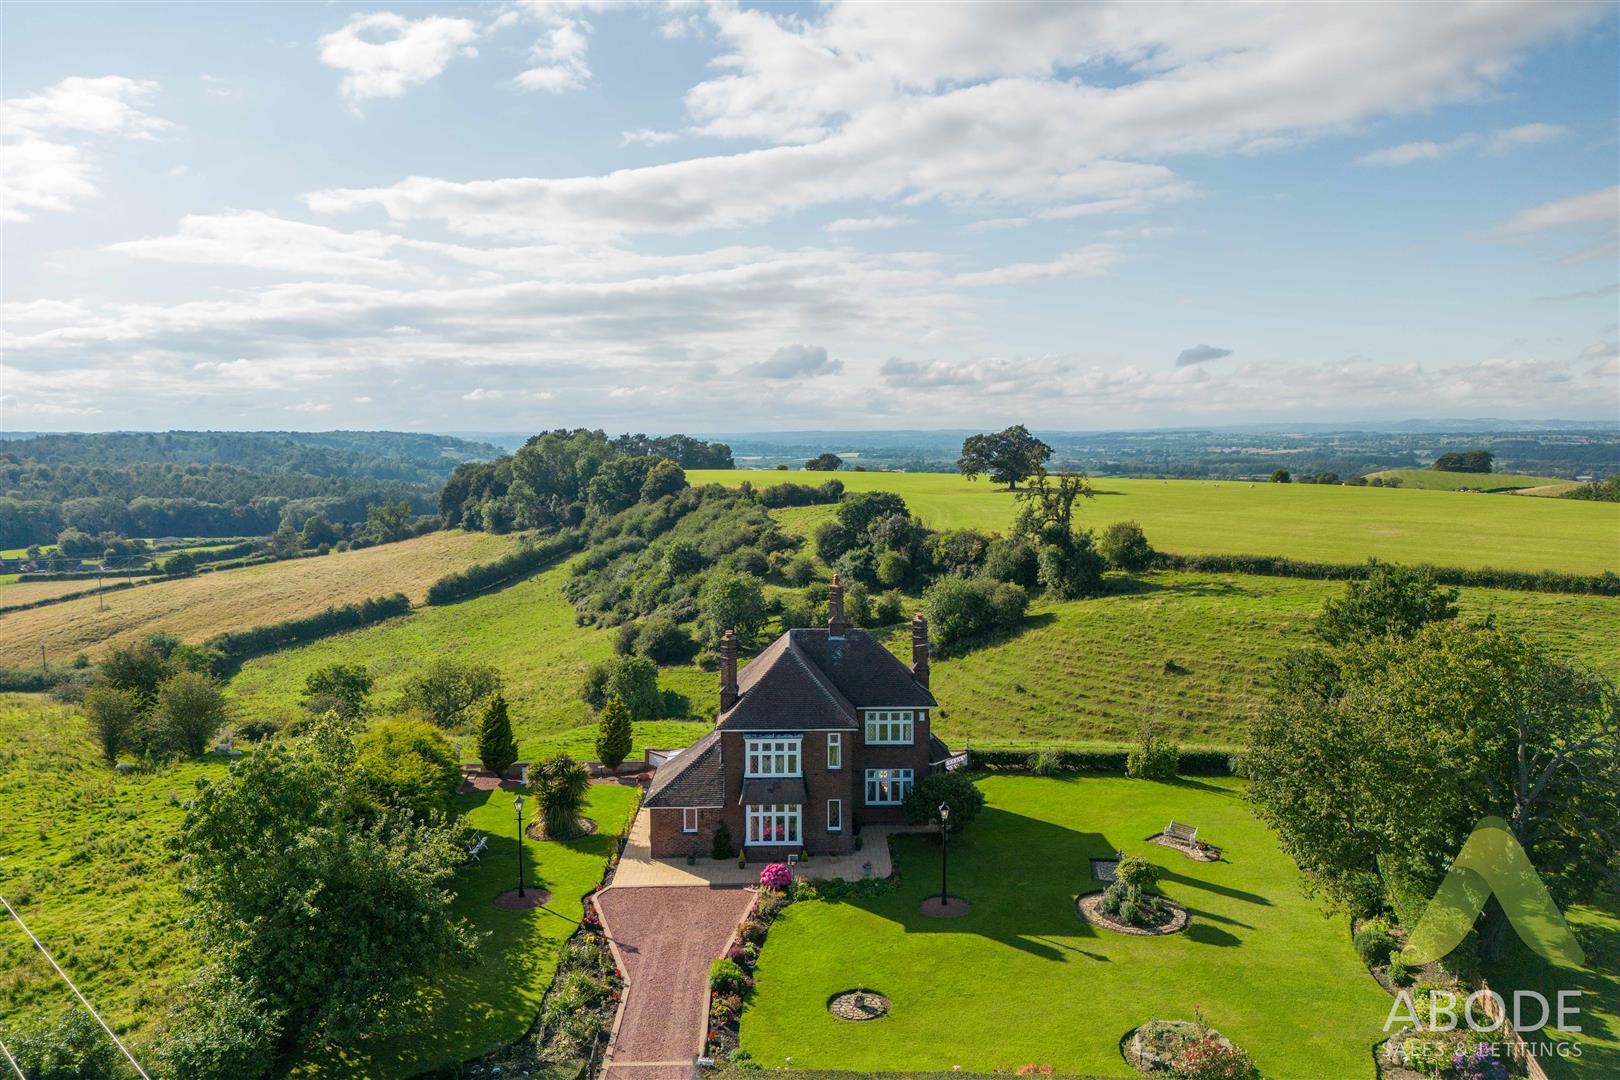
[(14, 1066), (82, 999)]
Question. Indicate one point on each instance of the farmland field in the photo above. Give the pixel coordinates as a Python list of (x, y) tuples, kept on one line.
[(1438, 480), (197, 607), (15, 593), (1302, 521)]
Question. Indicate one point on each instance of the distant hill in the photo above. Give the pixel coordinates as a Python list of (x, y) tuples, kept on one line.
[(1436, 480)]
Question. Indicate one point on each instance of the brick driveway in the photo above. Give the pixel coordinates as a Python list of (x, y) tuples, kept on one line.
[(665, 937)]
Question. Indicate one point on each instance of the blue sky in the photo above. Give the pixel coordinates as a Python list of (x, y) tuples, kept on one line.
[(720, 217)]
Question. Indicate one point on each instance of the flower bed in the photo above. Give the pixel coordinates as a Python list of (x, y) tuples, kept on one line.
[(1160, 916), (732, 977), (1185, 1048)]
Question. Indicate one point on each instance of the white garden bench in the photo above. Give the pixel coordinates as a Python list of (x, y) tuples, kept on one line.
[(1182, 834), (478, 848)]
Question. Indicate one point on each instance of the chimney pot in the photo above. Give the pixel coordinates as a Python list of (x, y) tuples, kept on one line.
[(835, 608), (919, 648), (728, 670)]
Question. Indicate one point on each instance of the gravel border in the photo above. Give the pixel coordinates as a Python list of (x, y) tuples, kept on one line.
[(1089, 911), (844, 1007), (1211, 854)]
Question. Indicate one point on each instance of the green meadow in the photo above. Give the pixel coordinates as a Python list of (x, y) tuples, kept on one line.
[(1438, 480), (1321, 522)]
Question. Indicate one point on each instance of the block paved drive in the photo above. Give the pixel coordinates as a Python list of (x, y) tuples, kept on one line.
[(665, 938)]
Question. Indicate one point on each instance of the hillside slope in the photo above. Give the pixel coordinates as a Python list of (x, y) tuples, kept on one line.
[(1301, 521), (198, 607), (1436, 480)]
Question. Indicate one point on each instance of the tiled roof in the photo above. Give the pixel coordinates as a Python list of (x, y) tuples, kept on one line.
[(777, 791), (694, 777), (808, 679)]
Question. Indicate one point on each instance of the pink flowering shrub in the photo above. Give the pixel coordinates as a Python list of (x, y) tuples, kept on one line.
[(776, 877)]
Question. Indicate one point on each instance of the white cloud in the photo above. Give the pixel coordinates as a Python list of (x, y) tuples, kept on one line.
[(1595, 215), (867, 224), (384, 54), (43, 164), (795, 362), (559, 57), (1498, 143), (249, 238), (311, 407), (1507, 140), (1201, 354), (1093, 260), (480, 394), (646, 137)]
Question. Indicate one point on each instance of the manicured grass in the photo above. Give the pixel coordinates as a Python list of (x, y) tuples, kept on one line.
[(1302, 521), (1086, 672), (473, 1008), (198, 607), (1022, 979), (84, 859), (1436, 480)]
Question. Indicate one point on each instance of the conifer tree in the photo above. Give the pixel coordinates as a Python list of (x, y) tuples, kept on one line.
[(614, 733), (496, 747)]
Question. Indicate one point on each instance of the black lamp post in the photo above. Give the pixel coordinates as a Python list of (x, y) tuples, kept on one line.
[(517, 804), (944, 850)]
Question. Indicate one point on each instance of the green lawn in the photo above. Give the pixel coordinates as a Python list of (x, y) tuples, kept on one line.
[(1302, 521), (1023, 979)]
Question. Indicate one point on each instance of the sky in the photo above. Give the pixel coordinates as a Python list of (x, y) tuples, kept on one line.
[(723, 217)]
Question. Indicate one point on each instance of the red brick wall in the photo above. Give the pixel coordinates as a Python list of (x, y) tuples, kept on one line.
[(669, 842), (913, 756)]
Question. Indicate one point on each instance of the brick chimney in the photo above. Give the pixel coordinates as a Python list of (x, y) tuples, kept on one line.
[(835, 608), (919, 648), (728, 670)]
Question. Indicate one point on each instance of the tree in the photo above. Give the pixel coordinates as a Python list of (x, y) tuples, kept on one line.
[(1473, 461), (562, 786), (1391, 600), (953, 789), (1047, 506), (614, 733), (731, 601), (1069, 567), (497, 749), (1154, 757), (372, 915), (631, 679), (139, 667), (407, 764), (962, 611), (189, 712), (664, 478), (824, 463), (1282, 476), (858, 512), (183, 564), (338, 686), (389, 520), (73, 1048), (317, 531), (1007, 456), (617, 484), (447, 691), (115, 718), (1126, 547)]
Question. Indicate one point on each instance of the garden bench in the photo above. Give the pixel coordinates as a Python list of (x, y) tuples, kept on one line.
[(1183, 834), (478, 848)]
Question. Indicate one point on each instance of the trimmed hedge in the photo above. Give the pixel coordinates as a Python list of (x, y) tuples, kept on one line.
[(520, 563), (1485, 577), (238, 645), (1112, 762)]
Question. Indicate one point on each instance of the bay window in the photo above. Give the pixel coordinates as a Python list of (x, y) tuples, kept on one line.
[(773, 824)]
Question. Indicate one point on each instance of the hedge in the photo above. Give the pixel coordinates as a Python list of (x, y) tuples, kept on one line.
[(1064, 760), (1485, 577), (520, 563), (238, 645), (30, 680), (80, 594), (83, 575)]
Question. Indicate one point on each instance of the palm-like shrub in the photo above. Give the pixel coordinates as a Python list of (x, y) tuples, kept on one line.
[(561, 789)]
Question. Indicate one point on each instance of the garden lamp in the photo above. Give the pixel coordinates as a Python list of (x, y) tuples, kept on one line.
[(517, 804), (944, 849)]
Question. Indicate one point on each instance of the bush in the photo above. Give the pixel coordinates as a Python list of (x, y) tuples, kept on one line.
[(1550, 581), (962, 611), (526, 560), (1209, 1058), (1137, 874), (1112, 897), (190, 711), (238, 645), (1125, 547), (409, 765), (632, 679), (1374, 944), (953, 789), (1070, 568), (1153, 757), (726, 977), (446, 692), (893, 569), (1013, 560), (115, 719), (721, 848), (340, 686), (74, 1048), (665, 643), (776, 877), (888, 609), (831, 541), (614, 734), (800, 571)]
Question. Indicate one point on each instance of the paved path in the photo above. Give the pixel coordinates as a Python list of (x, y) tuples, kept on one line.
[(637, 867), (665, 938)]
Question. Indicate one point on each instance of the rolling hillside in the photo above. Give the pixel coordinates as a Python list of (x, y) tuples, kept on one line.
[(198, 607), (1302, 521), (1435, 480)]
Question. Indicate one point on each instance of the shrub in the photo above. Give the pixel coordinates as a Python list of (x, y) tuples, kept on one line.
[(721, 848), (614, 734), (497, 749), (1125, 547), (1137, 874), (526, 560), (665, 643), (776, 877), (632, 679), (1373, 944), (831, 541), (1112, 897), (726, 977), (1128, 912), (954, 789), (1399, 973), (1211, 1058), (74, 1047), (1046, 763), (888, 609), (962, 611), (800, 571), (1013, 560), (409, 765), (115, 718), (340, 686), (190, 711), (1070, 568), (1153, 757), (733, 602), (893, 568)]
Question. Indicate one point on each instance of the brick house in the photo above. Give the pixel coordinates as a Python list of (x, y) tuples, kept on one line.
[(823, 733)]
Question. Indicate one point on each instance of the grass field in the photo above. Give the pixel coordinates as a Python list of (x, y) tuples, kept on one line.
[(83, 858), (197, 607), (1437, 480), (14, 593), (1022, 979), (1302, 521)]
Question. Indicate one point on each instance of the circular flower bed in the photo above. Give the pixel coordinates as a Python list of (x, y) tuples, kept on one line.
[(858, 1005), (1155, 915), (1183, 1047), (531, 898), (536, 830)]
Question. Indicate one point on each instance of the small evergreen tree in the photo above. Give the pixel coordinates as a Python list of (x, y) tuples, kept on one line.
[(614, 733), (496, 747)]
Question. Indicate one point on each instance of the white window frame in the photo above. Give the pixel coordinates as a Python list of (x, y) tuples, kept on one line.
[(835, 821), (891, 727), (774, 757), (775, 825), (896, 784), (689, 814), (835, 750)]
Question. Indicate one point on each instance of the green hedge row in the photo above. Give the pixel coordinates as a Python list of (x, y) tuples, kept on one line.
[(29, 680), (83, 575), (520, 563), (238, 645), (1060, 760), (1552, 581)]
